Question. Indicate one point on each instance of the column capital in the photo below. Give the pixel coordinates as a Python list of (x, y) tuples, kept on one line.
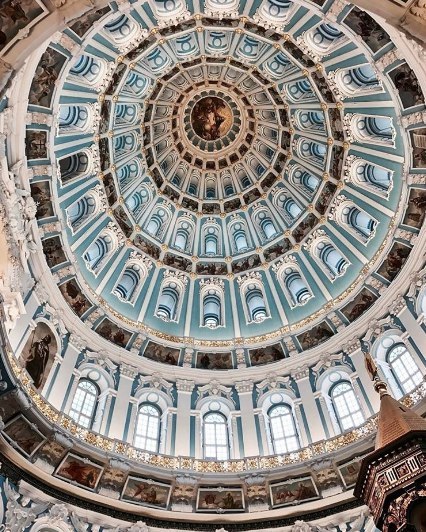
[(128, 371), (244, 386), (183, 385), (302, 372), (352, 347)]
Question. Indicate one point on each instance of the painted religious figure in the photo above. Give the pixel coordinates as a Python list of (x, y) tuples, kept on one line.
[(147, 492), (161, 353), (222, 499), (211, 118), (24, 435), (15, 15), (266, 355), (349, 472), (38, 353), (80, 470), (293, 491)]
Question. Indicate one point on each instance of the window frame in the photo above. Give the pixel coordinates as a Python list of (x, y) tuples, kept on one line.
[(137, 435), (94, 407), (340, 418), (284, 438), (395, 374), (215, 445)]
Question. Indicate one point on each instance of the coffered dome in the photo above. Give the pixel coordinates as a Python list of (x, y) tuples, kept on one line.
[(223, 174), (211, 211)]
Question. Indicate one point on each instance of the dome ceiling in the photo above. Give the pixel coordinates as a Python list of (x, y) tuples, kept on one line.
[(225, 175)]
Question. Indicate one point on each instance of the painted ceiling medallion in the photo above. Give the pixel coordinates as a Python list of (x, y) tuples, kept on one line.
[(211, 118)]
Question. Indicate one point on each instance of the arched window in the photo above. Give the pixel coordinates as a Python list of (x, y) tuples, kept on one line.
[(138, 201), (194, 182), (125, 114), (99, 252), (255, 302), (228, 186), (130, 282), (362, 224), (124, 144), (215, 436), (121, 31), (283, 429), (129, 172), (357, 80), (298, 91), (346, 406), (184, 235), (84, 403), (404, 368), (296, 286), (74, 119), (211, 242), (210, 188), (157, 223), (334, 262), (136, 84), (265, 224), (79, 213), (239, 238), (212, 308), (275, 11), (311, 151), (324, 39), (371, 129), (88, 70), (310, 120), (75, 166), (288, 207), (168, 302), (364, 173), (147, 431), (181, 239)]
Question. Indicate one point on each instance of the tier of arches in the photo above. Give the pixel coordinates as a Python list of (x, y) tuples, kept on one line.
[(340, 398)]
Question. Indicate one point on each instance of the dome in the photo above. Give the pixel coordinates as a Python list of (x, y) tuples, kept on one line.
[(218, 178), (212, 210), (220, 168)]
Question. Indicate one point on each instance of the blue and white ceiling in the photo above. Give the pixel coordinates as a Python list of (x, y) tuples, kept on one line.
[(280, 226)]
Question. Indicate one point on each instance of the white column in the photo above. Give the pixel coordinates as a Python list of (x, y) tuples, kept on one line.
[(57, 396), (106, 410), (267, 447), (102, 410), (198, 451), (332, 428), (183, 417), (303, 435), (168, 438), (245, 395), (122, 402), (132, 421), (358, 360), (235, 442), (356, 384), (310, 408)]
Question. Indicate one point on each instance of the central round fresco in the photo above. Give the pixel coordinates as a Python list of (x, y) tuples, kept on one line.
[(211, 118)]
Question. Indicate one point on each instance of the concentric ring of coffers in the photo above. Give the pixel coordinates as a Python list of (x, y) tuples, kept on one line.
[(272, 260)]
